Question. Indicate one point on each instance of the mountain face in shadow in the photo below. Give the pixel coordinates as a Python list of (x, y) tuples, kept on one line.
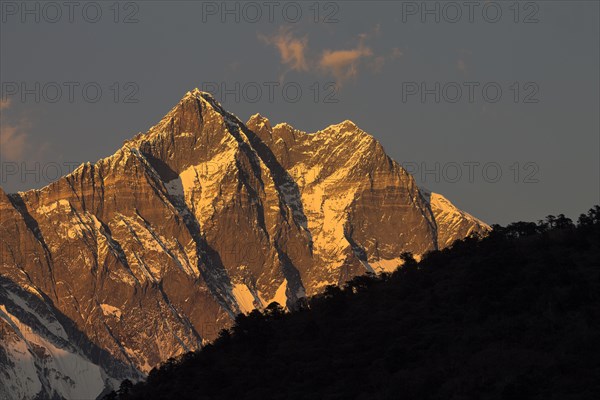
[(515, 315), (151, 251), (43, 355)]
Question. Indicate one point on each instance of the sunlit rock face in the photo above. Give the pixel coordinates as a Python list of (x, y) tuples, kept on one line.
[(148, 253)]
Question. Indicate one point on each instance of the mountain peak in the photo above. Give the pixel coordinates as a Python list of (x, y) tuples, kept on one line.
[(258, 120), (284, 126), (261, 126), (196, 93), (198, 99), (347, 124), (348, 130)]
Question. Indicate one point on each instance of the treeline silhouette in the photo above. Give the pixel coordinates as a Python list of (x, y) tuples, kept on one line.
[(514, 315)]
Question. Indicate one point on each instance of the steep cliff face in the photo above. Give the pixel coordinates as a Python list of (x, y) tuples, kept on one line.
[(148, 253)]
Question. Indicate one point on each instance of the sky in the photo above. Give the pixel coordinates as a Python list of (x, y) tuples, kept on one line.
[(492, 104)]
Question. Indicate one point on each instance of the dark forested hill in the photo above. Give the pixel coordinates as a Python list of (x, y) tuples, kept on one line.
[(515, 315)]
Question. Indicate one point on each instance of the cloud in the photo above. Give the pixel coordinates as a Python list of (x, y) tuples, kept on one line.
[(291, 49), (13, 137), (343, 64), (12, 143), (4, 104)]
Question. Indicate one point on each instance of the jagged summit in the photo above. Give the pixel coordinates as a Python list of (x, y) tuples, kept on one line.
[(258, 117), (345, 125), (197, 94), (259, 122), (147, 253)]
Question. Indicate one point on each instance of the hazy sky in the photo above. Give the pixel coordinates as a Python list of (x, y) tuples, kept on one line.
[(490, 88)]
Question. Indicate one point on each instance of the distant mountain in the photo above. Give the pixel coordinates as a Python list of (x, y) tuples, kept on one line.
[(148, 253)]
